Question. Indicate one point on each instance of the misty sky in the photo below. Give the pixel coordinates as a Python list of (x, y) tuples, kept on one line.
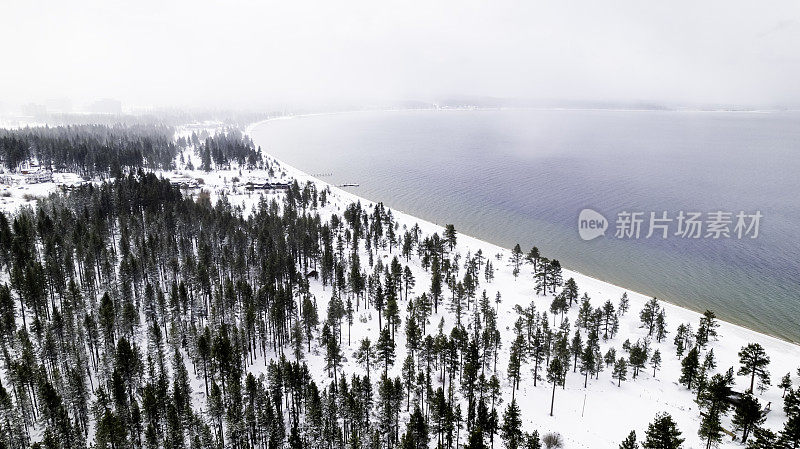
[(257, 53)]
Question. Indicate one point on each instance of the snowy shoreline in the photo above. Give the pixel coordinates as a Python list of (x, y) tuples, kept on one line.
[(582, 415), (600, 414), (296, 172)]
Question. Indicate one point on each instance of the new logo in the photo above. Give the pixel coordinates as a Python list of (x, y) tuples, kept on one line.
[(591, 224)]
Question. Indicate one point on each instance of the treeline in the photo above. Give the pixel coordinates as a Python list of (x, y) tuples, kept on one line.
[(100, 150), (90, 150), (223, 148)]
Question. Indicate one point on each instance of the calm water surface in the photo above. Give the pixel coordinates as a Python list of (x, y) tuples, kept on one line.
[(511, 176)]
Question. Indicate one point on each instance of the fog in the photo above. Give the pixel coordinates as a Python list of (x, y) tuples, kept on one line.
[(259, 54)]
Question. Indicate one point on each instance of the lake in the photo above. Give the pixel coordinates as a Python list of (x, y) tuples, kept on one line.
[(523, 176)]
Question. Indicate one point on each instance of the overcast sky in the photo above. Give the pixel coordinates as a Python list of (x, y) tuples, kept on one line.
[(257, 53)]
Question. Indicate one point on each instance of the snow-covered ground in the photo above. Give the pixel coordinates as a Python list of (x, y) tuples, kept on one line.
[(602, 415), (599, 416)]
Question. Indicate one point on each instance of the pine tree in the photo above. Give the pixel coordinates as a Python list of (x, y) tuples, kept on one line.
[(588, 363), (610, 357), (408, 373), (689, 368), (655, 361), (392, 314), (559, 306), (662, 433), (576, 347), (555, 371), (630, 442), (408, 280), (532, 440), (450, 235), (515, 359), (385, 349), (786, 383), (533, 258), (762, 439), (436, 285), (754, 362), (713, 401), (511, 431), (416, 435), (707, 329), (571, 292), (681, 340), (791, 402), (661, 326), (649, 314), (554, 275), (620, 371), (365, 355), (790, 434), (748, 415), (624, 304), (638, 357), (609, 317), (516, 259), (310, 319)]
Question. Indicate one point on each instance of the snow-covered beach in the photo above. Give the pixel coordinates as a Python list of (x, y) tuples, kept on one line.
[(603, 414), (600, 415)]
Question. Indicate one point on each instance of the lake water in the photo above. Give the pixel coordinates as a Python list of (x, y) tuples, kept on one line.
[(509, 176)]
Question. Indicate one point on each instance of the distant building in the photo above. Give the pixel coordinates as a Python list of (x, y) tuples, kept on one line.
[(183, 182), (37, 176), (267, 186)]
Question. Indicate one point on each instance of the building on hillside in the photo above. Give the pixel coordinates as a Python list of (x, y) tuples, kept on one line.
[(36, 176)]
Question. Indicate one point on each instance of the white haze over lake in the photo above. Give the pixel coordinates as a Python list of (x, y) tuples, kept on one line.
[(257, 53)]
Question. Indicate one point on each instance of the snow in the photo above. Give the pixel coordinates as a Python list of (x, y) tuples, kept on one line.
[(599, 416), (603, 414)]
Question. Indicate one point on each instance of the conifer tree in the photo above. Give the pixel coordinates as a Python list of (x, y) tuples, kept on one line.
[(620, 371), (515, 360), (576, 348), (365, 355), (789, 436), (649, 314), (588, 363), (662, 433), (707, 328), (762, 439), (785, 384), (655, 361), (571, 291), (511, 431), (450, 235), (408, 280), (624, 304), (630, 442), (385, 349), (754, 361), (748, 415), (516, 260), (555, 372), (689, 368)]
